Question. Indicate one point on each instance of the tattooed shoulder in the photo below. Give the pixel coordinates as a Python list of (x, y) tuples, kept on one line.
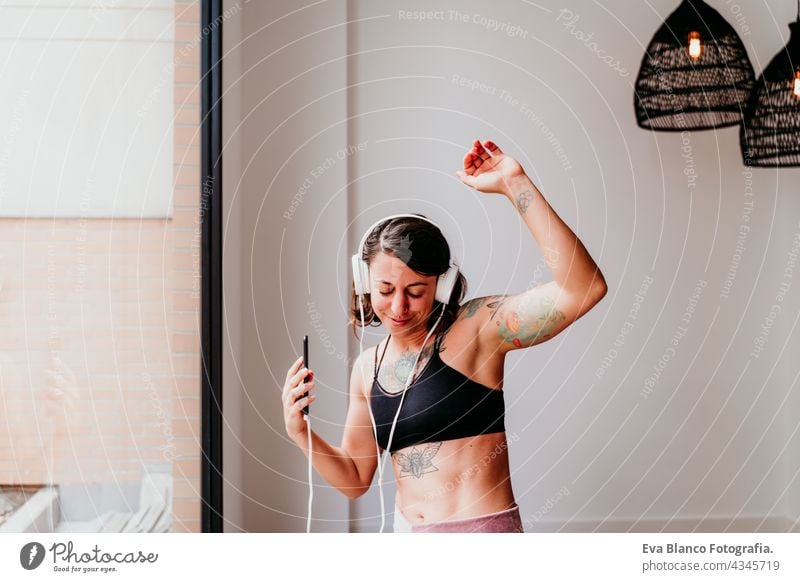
[(493, 302), (532, 320)]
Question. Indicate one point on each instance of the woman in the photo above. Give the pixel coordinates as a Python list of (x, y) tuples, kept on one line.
[(449, 451)]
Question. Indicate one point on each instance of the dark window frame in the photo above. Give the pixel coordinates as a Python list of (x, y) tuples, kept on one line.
[(211, 264)]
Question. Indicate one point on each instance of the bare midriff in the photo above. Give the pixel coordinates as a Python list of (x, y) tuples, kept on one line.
[(455, 479)]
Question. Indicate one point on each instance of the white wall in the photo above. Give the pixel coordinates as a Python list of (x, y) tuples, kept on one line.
[(712, 444), (282, 137)]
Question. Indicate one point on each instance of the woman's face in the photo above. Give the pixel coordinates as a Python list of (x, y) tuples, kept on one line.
[(401, 298)]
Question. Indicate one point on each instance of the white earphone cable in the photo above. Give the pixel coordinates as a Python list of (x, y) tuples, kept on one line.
[(310, 484), (369, 408), (382, 461)]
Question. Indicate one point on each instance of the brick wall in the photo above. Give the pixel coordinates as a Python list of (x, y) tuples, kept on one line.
[(185, 257), (99, 342)]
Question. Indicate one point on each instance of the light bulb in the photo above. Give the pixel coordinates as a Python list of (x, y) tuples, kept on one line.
[(796, 87), (695, 48)]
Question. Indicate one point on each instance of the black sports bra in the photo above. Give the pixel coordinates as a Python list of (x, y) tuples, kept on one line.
[(441, 404)]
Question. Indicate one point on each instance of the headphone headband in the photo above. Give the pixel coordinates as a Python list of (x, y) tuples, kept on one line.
[(444, 284), (392, 217)]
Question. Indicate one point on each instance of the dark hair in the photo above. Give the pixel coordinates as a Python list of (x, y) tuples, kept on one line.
[(424, 250)]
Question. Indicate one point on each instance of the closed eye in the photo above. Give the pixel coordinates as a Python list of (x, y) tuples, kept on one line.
[(410, 295)]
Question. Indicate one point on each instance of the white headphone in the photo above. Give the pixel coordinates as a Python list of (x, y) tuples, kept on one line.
[(444, 285)]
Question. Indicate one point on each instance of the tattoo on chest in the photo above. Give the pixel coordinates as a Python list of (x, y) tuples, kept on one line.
[(393, 375), (418, 461)]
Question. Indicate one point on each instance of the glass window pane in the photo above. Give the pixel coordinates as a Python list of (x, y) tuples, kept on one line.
[(100, 266)]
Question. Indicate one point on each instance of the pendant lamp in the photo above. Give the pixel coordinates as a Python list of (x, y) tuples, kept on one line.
[(770, 134), (695, 74)]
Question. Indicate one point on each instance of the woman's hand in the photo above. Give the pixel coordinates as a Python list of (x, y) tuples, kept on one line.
[(293, 404), (487, 169)]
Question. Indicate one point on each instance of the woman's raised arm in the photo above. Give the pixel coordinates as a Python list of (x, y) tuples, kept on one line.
[(540, 313)]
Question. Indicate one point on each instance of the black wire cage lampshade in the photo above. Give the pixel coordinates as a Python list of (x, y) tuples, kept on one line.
[(695, 74), (770, 134)]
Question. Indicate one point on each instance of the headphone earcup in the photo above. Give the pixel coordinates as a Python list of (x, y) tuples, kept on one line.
[(445, 284), (360, 275)]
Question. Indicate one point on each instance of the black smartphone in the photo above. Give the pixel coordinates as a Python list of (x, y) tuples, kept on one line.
[(305, 364)]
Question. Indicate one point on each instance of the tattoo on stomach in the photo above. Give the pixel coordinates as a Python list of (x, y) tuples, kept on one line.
[(418, 461)]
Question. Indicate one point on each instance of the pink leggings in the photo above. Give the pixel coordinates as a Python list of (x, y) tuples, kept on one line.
[(506, 521)]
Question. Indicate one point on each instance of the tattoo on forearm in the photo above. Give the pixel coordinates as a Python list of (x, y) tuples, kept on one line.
[(514, 331), (417, 462), (524, 200)]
